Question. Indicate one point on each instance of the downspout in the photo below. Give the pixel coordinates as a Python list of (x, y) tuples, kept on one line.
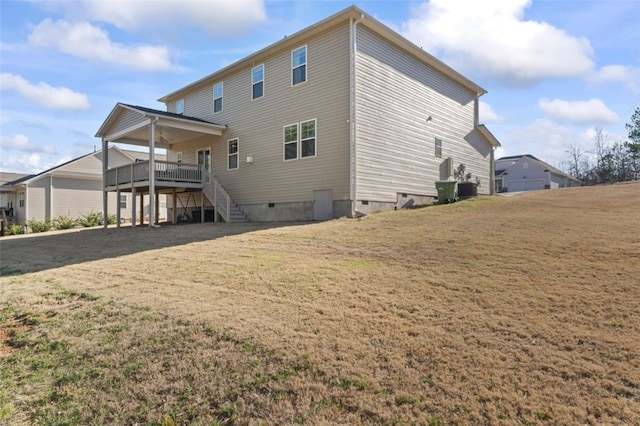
[(353, 38), (152, 174), (105, 195), (50, 197)]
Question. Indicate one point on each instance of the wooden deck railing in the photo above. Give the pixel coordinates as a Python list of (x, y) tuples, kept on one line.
[(165, 171)]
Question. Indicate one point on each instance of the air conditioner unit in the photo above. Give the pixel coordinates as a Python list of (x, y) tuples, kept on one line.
[(448, 166)]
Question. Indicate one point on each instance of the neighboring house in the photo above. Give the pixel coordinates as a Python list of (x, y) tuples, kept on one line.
[(526, 173), (72, 189), (7, 195), (342, 118)]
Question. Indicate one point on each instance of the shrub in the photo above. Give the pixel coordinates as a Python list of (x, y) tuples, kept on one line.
[(90, 219), (111, 219), (14, 230), (39, 225), (63, 222)]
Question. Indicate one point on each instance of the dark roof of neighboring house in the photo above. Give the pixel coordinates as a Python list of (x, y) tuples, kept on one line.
[(18, 180), (167, 114), (6, 177), (516, 157)]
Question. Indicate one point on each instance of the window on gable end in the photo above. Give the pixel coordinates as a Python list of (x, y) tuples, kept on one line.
[(257, 82), (299, 65), (217, 97), (180, 106)]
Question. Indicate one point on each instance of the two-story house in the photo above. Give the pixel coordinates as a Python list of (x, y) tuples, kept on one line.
[(342, 118)]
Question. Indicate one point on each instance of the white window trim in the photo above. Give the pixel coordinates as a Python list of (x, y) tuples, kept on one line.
[(437, 148), (315, 137), (208, 165), (123, 197), (221, 97), (180, 102), (306, 61), (253, 83), (179, 157), (237, 153), (297, 141)]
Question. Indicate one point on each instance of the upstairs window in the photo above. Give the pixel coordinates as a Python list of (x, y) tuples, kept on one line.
[(299, 65), (257, 82), (217, 97), (308, 138), (180, 106), (179, 157), (232, 153), (291, 142), (438, 148)]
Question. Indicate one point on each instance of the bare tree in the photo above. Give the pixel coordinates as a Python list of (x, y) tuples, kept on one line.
[(576, 162)]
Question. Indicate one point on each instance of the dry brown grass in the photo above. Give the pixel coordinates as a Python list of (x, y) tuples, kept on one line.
[(501, 310)]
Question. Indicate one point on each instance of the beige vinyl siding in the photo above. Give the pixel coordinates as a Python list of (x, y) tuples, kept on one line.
[(395, 143), (259, 125), (125, 120), (37, 194)]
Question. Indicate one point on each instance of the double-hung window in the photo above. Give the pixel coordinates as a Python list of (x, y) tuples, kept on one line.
[(438, 152), (308, 138), (217, 97), (300, 140), (257, 82), (180, 106), (291, 142), (299, 65), (123, 201), (232, 153)]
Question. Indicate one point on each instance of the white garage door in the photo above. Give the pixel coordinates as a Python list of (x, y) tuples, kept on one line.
[(525, 185)]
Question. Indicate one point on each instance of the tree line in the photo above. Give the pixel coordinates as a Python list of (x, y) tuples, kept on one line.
[(607, 163)]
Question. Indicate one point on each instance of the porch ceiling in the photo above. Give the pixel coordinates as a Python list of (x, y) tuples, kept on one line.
[(169, 128)]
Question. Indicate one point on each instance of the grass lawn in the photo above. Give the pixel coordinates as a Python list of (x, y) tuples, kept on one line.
[(498, 310)]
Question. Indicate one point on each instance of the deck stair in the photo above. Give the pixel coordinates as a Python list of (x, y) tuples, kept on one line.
[(218, 196)]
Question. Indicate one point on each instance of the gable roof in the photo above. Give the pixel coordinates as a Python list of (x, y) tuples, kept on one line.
[(145, 112), (289, 42), (488, 136), (541, 163)]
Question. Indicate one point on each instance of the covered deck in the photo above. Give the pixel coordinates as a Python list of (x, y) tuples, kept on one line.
[(135, 125)]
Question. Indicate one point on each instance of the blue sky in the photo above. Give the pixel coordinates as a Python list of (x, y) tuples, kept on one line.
[(554, 70)]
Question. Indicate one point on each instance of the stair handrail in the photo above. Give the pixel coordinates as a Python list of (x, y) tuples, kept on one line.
[(216, 194)]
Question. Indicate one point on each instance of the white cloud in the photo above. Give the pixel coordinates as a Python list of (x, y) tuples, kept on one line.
[(220, 17), (543, 139), (86, 41), (22, 143), (593, 111), (492, 37), (44, 94), (629, 76), (487, 114)]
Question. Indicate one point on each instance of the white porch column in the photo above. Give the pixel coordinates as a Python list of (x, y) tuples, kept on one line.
[(105, 194), (133, 206), (118, 205), (152, 173)]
